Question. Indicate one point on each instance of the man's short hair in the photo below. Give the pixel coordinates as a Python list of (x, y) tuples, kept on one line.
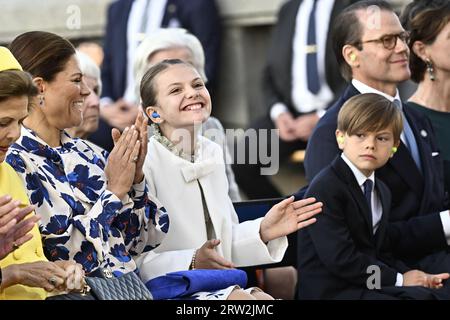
[(347, 29)]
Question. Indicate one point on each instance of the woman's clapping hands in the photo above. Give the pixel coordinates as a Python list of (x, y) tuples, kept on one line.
[(14, 226), (125, 162)]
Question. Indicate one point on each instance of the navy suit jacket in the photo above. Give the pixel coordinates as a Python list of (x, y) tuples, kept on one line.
[(416, 198), (335, 252), (277, 77), (200, 17)]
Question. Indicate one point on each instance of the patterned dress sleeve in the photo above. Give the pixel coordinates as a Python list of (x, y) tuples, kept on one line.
[(144, 221), (88, 223)]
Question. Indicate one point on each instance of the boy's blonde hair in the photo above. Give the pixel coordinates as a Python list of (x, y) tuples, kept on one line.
[(370, 112)]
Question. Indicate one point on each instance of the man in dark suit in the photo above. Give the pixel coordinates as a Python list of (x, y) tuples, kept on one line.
[(346, 254), (375, 59), (293, 106), (200, 17)]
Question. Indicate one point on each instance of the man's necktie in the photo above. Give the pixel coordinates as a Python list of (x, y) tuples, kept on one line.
[(410, 140), (311, 53)]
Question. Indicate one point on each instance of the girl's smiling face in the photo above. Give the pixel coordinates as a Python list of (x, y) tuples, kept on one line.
[(182, 99)]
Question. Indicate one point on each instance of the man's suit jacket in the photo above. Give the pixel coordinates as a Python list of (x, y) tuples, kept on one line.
[(335, 252), (200, 17), (277, 78), (416, 198)]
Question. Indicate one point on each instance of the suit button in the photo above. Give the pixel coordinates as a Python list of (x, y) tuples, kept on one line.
[(39, 252), (423, 133), (171, 8), (17, 254)]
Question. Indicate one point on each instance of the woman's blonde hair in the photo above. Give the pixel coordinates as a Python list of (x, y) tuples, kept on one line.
[(16, 83)]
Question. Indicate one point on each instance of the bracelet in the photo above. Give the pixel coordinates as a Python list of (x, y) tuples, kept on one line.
[(192, 267)]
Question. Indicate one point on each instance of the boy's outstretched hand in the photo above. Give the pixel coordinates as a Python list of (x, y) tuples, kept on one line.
[(420, 278), (288, 216)]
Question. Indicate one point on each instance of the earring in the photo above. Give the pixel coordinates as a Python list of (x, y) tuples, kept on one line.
[(430, 69), (394, 150), (155, 115), (41, 100)]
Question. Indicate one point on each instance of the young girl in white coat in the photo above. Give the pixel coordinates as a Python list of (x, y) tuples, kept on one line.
[(185, 171)]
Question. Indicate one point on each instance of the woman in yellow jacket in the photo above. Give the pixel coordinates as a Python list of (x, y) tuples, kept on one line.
[(25, 273)]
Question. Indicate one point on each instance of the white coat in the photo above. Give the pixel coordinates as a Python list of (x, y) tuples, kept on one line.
[(175, 182)]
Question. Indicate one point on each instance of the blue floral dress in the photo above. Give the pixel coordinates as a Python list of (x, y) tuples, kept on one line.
[(81, 220)]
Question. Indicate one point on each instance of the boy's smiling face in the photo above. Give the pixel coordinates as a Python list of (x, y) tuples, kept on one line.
[(368, 151)]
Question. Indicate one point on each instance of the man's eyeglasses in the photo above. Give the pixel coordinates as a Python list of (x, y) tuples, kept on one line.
[(389, 41)]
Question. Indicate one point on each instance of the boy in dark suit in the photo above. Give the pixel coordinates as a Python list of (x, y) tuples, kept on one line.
[(346, 254)]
